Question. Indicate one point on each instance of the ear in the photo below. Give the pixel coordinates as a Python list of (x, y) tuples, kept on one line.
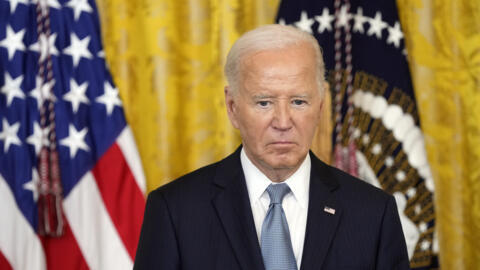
[(231, 106)]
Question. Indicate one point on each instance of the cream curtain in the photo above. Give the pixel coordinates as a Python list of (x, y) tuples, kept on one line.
[(166, 57)]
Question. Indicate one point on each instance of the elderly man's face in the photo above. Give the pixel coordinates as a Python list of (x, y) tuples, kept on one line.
[(277, 107)]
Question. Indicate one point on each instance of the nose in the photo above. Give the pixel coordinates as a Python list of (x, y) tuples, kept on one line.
[(282, 119)]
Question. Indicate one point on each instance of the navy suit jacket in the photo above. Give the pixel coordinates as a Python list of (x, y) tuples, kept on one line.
[(203, 220)]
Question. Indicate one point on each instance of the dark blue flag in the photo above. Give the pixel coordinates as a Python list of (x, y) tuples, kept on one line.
[(377, 133)]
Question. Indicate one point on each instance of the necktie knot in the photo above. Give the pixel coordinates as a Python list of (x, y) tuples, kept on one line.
[(277, 192)]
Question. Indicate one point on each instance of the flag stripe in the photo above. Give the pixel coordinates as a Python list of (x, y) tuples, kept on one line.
[(18, 241), (93, 228), (126, 142), (63, 252), (121, 196), (58, 87), (4, 264)]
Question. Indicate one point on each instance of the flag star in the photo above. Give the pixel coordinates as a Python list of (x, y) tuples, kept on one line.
[(78, 6), (109, 98), (281, 21), (36, 92), (9, 135), (78, 48), (325, 21), (43, 92), (76, 95), (376, 25), (32, 185), (12, 88), (13, 41), (359, 21), (305, 23), (38, 138), (343, 17), (14, 3), (45, 46), (75, 140), (395, 35)]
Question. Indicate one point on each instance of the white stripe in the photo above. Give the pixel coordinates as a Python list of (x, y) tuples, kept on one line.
[(93, 228), (126, 143), (18, 242)]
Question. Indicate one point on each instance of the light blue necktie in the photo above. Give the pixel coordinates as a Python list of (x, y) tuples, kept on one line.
[(276, 245)]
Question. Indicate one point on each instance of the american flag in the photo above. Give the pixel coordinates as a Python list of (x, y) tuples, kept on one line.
[(61, 112)]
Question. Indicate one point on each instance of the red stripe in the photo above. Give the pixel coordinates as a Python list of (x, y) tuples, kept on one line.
[(63, 252), (4, 264), (122, 196)]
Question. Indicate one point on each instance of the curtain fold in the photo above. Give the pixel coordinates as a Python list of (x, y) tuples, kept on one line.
[(167, 58), (443, 42)]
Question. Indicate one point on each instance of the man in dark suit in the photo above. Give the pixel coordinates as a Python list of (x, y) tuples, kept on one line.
[(272, 204)]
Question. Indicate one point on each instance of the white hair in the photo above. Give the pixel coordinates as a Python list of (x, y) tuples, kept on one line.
[(273, 36)]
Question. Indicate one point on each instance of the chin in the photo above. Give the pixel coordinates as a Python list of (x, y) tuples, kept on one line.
[(288, 159), (284, 162)]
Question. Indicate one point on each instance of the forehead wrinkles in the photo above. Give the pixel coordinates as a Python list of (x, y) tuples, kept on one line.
[(274, 69), (278, 69), (279, 76), (280, 72), (288, 62)]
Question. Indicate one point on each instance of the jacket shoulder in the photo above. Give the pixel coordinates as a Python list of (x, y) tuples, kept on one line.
[(349, 187), (202, 177), (188, 184)]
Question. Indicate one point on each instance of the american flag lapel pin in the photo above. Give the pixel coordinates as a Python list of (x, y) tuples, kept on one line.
[(329, 210)]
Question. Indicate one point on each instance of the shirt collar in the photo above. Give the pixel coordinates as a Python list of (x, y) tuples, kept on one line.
[(257, 182)]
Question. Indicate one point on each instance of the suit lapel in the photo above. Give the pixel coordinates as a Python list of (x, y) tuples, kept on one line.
[(321, 225), (233, 208)]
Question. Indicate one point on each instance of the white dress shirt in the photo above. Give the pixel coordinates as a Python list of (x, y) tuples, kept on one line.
[(295, 203)]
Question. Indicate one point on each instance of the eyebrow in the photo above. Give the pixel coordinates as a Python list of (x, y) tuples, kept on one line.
[(261, 96)]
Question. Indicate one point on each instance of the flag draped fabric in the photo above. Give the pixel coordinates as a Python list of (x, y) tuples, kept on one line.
[(57, 97), (377, 133), (443, 40)]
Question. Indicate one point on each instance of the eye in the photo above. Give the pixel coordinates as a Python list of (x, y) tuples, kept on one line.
[(263, 103), (299, 102)]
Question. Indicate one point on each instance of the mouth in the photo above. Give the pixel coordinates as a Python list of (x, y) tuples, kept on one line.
[(282, 143)]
